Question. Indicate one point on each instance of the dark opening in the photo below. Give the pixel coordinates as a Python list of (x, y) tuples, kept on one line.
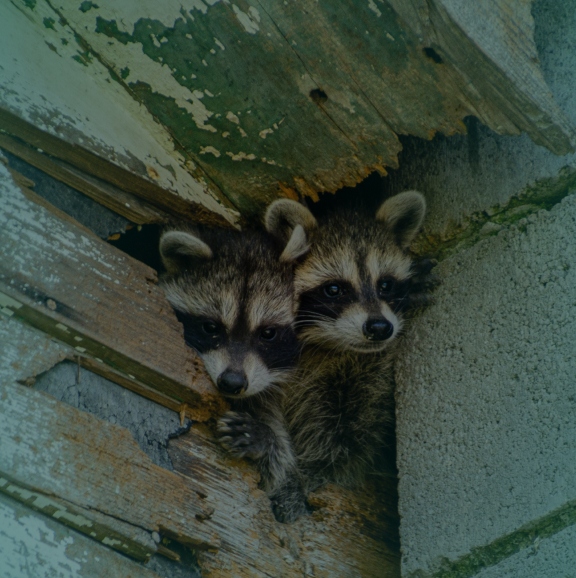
[(432, 55), (318, 95)]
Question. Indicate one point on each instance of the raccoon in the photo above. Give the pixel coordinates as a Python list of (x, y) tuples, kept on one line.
[(233, 293), (353, 288)]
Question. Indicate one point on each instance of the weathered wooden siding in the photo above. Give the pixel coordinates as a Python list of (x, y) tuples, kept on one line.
[(204, 106), (62, 279), (33, 546)]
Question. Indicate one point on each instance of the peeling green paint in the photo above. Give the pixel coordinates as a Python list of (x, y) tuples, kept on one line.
[(77, 518), (505, 546), (255, 109), (83, 58), (542, 195), (87, 5), (49, 23)]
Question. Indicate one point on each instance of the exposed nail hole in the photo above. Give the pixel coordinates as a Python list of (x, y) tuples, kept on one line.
[(318, 95), (432, 55)]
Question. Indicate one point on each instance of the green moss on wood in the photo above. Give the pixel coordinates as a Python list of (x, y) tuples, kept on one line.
[(49, 23)]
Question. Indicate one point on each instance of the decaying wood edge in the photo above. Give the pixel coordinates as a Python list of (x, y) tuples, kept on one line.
[(111, 197), (51, 323), (55, 450), (125, 538), (92, 164), (350, 534)]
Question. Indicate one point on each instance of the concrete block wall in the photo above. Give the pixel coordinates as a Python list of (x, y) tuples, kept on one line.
[(486, 383)]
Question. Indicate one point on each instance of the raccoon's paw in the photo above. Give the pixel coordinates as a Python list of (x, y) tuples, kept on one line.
[(289, 506), (422, 283), (243, 436), (423, 279)]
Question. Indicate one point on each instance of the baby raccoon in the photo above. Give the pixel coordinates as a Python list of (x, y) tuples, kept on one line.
[(233, 293), (352, 288)]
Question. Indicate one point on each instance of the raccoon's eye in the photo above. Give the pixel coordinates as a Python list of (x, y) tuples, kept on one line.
[(386, 287), (333, 290), (268, 334), (210, 328)]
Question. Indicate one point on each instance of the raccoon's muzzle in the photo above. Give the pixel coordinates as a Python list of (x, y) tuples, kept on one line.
[(377, 329), (232, 382)]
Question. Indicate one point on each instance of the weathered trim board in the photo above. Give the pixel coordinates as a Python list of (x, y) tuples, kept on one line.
[(63, 280), (203, 107)]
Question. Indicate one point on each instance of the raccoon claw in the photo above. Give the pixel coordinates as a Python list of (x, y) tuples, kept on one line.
[(424, 266), (243, 436)]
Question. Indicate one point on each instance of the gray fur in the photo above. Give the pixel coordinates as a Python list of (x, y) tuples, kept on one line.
[(243, 284), (339, 406)]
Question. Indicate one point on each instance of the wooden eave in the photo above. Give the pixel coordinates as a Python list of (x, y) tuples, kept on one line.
[(210, 109)]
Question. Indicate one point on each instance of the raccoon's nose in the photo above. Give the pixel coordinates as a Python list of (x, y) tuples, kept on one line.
[(378, 329), (232, 382)]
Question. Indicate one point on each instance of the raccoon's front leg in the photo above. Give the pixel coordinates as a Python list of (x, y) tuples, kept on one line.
[(268, 444), (245, 437)]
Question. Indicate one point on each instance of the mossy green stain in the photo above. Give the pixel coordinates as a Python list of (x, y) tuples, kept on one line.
[(542, 195), (83, 58), (30, 4), (49, 23), (87, 5), (505, 546), (124, 73)]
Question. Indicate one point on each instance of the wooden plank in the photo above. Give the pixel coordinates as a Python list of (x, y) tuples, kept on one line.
[(92, 123), (490, 49), (350, 534), (56, 450), (32, 546), (68, 283), (125, 538), (25, 352), (116, 199), (304, 96)]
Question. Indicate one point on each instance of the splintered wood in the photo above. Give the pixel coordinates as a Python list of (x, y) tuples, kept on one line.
[(201, 108), (349, 535)]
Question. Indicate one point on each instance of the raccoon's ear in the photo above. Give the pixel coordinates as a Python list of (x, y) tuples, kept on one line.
[(282, 217), (296, 247), (291, 223), (178, 248), (403, 214)]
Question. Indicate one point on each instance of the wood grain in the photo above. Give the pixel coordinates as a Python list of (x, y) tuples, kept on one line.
[(350, 535), (68, 283), (56, 450)]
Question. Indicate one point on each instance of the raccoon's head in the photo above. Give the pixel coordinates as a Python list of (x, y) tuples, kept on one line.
[(352, 285), (234, 294)]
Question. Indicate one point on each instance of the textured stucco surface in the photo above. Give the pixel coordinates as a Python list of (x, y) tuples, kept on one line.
[(487, 378), (487, 392)]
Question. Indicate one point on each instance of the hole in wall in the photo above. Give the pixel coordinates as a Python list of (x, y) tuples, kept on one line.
[(318, 96), (432, 55), (141, 242)]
